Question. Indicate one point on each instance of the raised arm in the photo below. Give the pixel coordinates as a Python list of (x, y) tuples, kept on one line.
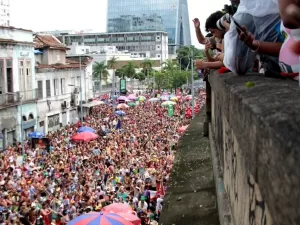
[(201, 39), (267, 48)]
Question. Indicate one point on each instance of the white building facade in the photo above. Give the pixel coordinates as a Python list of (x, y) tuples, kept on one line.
[(18, 95), (105, 53), (5, 13), (62, 85)]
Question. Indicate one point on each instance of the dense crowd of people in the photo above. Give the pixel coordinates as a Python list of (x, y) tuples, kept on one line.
[(130, 165)]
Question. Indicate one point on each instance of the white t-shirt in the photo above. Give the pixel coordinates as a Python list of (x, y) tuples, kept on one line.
[(145, 205)]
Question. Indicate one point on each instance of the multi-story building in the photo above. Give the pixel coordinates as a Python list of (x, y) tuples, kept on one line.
[(153, 44), (4, 13), (61, 32), (63, 84), (18, 94), (171, 16)]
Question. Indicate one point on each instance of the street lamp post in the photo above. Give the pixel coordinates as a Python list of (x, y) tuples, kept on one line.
[(22, 135), (81, 111), (193, 91)]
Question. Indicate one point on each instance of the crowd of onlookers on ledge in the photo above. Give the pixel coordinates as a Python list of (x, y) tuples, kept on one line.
[(253, 36)]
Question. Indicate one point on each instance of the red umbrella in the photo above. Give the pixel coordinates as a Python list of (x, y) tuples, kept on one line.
[(131, 218), (117, 208), (84, 137)]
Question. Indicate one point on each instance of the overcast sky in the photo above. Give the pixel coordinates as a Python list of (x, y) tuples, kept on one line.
[(45, 15)]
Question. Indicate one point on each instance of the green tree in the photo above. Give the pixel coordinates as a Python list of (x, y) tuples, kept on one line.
[(120, 73), (111, 63), (147, 68), (169, 65), (184, 54), (179, 78), (100, 72), (161, 80), (129, 70), (170, 68), (140, 76)]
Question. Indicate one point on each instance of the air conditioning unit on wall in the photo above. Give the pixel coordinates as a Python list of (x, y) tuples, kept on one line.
[(76, 100)]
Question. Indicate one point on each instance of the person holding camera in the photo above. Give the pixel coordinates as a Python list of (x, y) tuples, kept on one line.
[(215, 40)]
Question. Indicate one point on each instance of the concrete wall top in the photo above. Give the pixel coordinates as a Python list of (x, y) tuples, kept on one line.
[(257, 131)]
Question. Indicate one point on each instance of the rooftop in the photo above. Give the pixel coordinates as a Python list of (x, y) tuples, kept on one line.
[(48, 41), (15, 28), (70, 64), (14, 42)]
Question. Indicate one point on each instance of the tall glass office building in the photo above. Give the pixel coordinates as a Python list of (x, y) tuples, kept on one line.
[(171, 16)]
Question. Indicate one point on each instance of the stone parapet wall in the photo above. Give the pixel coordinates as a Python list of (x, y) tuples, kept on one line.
[(256, 132)]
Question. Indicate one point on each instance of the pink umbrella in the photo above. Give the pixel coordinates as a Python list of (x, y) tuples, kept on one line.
[(132, 97), (84, 137), (117, 208), (182, 129), (131, 218), (123, 98), (189, 97)]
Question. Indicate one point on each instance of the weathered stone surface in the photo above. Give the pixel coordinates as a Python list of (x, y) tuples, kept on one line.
[(191, 198), (257, 131)]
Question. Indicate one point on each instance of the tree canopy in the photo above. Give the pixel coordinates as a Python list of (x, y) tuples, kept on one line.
[(100, 71), (184, 54)]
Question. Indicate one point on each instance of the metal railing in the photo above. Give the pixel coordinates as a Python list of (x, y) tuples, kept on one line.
[(7, 99), (29, 95)]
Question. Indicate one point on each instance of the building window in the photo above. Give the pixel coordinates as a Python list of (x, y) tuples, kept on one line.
[(21, 75), (48, 88), (55, 85), (53, 121), (1, 77), (78, 81), (40, 89), (9, 76), (73, 81), (62, 86), (58, 56), (41, 123), (28, 75)]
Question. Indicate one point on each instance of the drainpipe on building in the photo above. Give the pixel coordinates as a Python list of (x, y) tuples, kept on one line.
[(193, 91), (22, 135), (81, 111)]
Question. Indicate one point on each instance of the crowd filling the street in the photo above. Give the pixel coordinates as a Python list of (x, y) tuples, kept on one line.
[(117, 161)]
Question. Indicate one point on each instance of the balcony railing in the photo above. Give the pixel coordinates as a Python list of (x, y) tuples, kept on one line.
[(8, 99), (29, 95)]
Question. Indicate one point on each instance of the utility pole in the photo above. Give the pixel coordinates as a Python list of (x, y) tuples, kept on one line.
[(193, 91), (81, 111), (22, 135)]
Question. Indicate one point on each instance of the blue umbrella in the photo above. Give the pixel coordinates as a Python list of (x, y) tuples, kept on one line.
[(86, 129), (36, 134), (120, 113)]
